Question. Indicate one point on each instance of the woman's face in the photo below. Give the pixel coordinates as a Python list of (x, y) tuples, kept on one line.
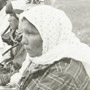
[(13, 22), (31, 39)]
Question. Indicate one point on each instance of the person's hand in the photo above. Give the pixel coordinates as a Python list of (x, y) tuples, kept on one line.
[(14, 80)]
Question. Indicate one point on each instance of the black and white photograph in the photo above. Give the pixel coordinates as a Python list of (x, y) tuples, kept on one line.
[(44, 44)]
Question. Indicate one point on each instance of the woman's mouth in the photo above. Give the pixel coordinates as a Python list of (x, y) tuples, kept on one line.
[(28, 50)]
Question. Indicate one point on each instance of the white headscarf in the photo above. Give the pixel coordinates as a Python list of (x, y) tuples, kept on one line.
[(59, 41)]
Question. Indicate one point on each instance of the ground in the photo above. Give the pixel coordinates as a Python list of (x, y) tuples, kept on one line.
[(79, 13)]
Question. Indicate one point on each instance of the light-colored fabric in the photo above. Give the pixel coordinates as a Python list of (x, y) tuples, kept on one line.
[(22, 4), (3, 20), (19, 4), (58, 39), (22, 72)]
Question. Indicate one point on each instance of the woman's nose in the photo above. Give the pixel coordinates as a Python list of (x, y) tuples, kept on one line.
[(24, 40)]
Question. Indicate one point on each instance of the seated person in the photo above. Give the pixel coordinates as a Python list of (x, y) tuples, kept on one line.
[(55, 55), (18, 54)]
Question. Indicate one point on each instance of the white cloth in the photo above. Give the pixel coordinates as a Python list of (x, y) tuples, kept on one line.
[(59, 41), (3, 20), (19, 4)]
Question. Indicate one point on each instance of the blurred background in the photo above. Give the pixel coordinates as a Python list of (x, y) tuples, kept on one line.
[(79, 13)]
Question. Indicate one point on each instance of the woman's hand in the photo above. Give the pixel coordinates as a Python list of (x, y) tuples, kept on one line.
[(14, 80)]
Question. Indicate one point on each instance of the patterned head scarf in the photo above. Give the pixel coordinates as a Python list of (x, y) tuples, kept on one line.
[(51, 23), (55, 29)]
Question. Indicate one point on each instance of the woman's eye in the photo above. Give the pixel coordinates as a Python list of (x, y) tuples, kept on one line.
[(30, 33)]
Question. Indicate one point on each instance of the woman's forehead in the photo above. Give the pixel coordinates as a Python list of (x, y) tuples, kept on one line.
[(26, 25)]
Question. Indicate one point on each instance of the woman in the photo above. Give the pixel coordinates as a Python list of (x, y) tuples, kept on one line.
[(54, 53), (4, 24), (18, 54)]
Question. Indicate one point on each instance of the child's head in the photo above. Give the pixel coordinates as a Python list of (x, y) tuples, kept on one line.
[(14, 13)]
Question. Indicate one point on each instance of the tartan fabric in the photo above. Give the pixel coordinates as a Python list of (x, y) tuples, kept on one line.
[(61, 75)]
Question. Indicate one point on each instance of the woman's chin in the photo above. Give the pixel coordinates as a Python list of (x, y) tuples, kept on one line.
[(32, 55)]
